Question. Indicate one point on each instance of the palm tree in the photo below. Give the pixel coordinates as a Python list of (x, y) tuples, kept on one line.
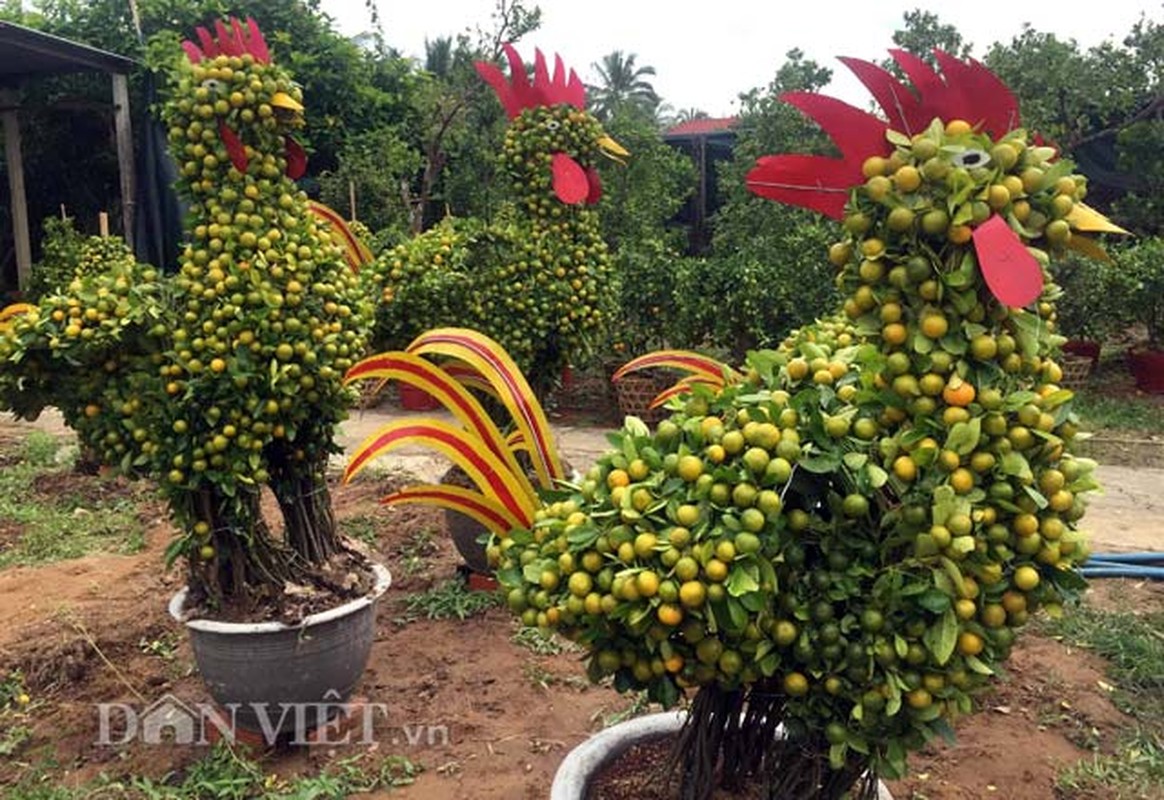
[(689, 114), (622, 83), (438, 56)]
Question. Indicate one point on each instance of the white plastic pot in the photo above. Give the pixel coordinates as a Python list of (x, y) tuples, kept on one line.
[(584, 762)]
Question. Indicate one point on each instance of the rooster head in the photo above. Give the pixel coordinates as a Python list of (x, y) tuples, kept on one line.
[(239, 104), (947, 166), (553, 142)]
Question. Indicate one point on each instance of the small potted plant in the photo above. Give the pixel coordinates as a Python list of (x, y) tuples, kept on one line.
[(224, 382), (1141, 269)]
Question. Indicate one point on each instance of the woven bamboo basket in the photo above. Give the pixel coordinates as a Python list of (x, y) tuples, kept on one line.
[(635, 393), (1076, 371)]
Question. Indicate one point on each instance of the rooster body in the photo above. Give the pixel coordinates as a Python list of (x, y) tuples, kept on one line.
[(536, 278)]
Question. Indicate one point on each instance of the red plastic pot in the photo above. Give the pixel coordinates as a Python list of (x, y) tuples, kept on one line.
[(1147, 367), (414, 399)]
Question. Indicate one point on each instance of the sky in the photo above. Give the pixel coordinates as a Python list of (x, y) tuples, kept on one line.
[(705, 53)]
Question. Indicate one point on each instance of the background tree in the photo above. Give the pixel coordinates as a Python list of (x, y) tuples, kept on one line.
[(765, 272), (622, 82), (923, 32)]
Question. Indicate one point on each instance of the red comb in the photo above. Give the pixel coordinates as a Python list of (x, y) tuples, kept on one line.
[(233, 41), (964, 90), (519, 92)]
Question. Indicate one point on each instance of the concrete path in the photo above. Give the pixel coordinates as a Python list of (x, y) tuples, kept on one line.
[(1127, 516)]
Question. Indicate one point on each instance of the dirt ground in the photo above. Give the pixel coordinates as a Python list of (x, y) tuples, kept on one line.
[(94, 630)]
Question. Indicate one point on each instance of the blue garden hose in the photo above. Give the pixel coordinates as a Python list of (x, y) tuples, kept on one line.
[(1124, 565)]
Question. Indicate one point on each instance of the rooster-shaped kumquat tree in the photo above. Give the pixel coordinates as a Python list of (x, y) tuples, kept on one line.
[(225, 377), (535, 280), (843, 537)]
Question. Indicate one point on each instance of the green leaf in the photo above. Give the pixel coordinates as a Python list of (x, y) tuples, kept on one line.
[(1035, 495), (945, 504), (820, 463), (737, 613), (964, 436), (941, 638), (855, 461), (877, 476), (934, 600), (1015, 464), (837, 752), (975, 664), (897, 138)]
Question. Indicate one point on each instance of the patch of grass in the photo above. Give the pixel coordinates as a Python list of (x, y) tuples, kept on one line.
[(449, 600), (362, 527), (638, 706), (228, 774), (1127, 414), (16, 708), (413, 556), (38, 526), (1134, 772), (544, 678), (1133, 645), (542, 642)]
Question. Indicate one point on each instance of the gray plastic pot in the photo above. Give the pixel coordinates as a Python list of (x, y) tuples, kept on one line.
[(572, 780), (280, 678)]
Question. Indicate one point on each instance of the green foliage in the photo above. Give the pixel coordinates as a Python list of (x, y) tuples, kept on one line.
[(765, 273), (1139, 267), (47, 524), (923, 32), (1097, 105), (426, 281), (227, 773), (1128, 415), (376, 163), (1092, 305), (449, 600), (753, 297), (623, 87), (639, 200)]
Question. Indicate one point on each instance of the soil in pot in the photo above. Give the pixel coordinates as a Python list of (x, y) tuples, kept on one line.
[(643, 771), (346, 576)]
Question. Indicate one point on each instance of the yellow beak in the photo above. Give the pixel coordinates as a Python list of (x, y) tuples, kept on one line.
[(612, 149), (287, 102)]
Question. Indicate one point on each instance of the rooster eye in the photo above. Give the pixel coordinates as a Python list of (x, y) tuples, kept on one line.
[(972, 158), (212, 84), (552, 124)]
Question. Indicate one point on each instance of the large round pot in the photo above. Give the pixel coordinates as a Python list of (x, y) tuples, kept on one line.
[(465, 531), (587, 760), (1147, 367), (263, 669)]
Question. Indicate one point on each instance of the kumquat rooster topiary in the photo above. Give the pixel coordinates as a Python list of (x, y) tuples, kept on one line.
[(226, 377), (536, 280), (828, 550)]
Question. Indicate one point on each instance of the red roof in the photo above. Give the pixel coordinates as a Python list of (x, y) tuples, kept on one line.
[(697, 127)]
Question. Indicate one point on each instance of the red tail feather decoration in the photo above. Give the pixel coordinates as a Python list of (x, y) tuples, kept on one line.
[(233, 41), (519, 92)]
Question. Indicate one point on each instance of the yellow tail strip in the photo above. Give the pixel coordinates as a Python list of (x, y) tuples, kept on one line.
[(489, 473), (495, 365)]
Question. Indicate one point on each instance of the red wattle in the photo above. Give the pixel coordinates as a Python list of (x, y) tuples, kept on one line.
[(296, 159), (1012, 274), (571, 183), (595, 181), (234, 146)]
